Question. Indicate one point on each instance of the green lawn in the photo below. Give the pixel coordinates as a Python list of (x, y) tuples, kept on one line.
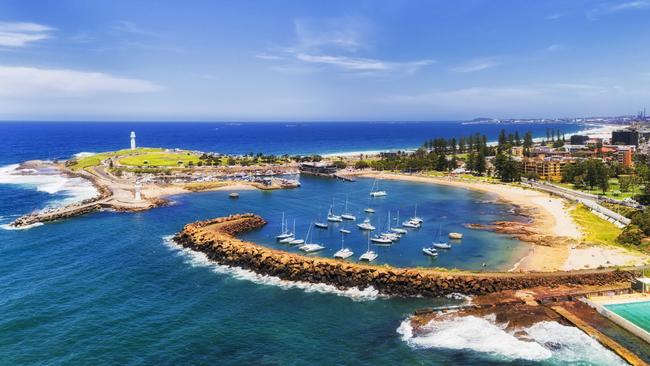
[(614, 190), (160, 159), (595, 229), (94, 160)]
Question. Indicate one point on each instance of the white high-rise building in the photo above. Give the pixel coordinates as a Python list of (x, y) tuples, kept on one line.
[(132, 140)]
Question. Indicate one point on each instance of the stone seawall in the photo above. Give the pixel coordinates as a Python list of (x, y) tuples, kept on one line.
[(215, 238)]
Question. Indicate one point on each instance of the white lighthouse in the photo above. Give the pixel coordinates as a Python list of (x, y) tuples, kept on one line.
[(132, 140)]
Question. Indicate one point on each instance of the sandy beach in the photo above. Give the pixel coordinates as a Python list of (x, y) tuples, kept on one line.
[(551, 216)]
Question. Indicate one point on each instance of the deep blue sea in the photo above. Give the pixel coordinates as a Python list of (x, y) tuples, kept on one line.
[(109, 288)]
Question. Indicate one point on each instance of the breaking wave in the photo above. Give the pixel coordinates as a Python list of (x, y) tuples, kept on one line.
[(198, 259), (49, 181), (25, 227), (545, 340)]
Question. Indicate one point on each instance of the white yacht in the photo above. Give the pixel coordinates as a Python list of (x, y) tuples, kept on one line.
[(333, 218), (287, 240), (284, 232), (398, 230), (438, 243), (369, 255), (376, 192), (369, 210), (343, 252), (300, 241), (389, 233), (346, 215), (311, 247), (415, 217), (345, 231), (366, 225)]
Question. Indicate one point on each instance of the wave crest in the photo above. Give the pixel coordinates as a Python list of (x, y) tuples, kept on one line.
[(547, 340), (198, 259)]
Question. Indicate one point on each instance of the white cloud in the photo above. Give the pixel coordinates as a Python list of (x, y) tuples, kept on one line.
[(19, 34), (610, 8), (363, 64), (346, 33), (17, 81), (131, 27), (555, 16), (334, 44), (555, 48), (478, 64), (268, 56)]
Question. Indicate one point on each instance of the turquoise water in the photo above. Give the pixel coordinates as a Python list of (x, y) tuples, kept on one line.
[(637, 313)]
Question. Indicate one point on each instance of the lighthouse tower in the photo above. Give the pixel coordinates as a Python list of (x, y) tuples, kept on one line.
[(132, 140)]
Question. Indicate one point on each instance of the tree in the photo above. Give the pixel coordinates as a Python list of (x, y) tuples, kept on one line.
[(631, 235), (528, 143), (480, 163), (361, 164), (340, 164), (506, 168), (503, 141)]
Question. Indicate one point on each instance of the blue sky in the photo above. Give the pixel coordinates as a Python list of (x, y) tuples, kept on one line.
[(329, 60)]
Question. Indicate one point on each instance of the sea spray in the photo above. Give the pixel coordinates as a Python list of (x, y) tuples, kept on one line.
[(73, 189), (198, 259), (547, 340)]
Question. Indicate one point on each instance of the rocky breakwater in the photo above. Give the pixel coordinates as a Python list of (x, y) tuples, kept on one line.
[(215, 238)]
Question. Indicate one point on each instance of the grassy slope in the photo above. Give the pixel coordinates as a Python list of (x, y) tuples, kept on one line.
[(596, 230), (159, 159), (96, 159)]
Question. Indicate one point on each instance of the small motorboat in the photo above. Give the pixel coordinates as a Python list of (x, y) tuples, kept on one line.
[(430, 252), (369, 210), (411, 224), (233, 195), (441, 245), (345, 231), (378, 194), (365, 225), (320, 225), (381, 240), (456, 236)]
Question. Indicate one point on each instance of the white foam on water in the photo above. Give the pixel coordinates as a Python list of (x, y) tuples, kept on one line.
[(73, 189), (25, 227), (547, 340), (198, 259), (84, 154)]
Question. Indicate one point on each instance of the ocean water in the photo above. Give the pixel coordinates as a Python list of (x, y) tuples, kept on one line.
[(110, 288), (47, 140)]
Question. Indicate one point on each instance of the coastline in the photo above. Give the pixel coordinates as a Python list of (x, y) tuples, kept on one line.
[(595, 130), (550, 216)]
